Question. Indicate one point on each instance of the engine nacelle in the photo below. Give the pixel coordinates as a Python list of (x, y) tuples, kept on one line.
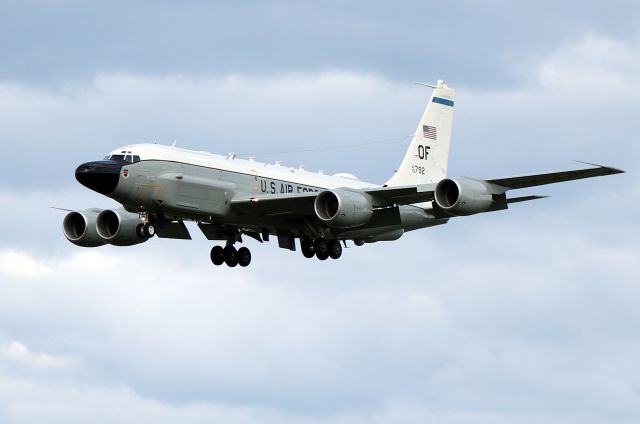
[(119, 227), (343, 208), (80, 228), (463, 196)]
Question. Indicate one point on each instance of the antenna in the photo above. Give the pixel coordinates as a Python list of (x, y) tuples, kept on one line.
[(174, 143), (60, 209), (440, 84)]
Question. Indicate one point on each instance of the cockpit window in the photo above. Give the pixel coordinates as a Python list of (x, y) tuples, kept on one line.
[(128, 157)]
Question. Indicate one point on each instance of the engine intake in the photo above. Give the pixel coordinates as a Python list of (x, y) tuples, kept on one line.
[(463, 196), (80, 228), (343, 208), (119, 227)]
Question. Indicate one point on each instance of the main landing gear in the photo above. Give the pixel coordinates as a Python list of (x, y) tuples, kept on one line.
[(230, 256), (321, 248)]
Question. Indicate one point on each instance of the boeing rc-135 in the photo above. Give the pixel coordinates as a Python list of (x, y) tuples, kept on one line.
[(160, 187)]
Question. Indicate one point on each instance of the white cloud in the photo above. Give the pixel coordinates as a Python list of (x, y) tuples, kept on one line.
[(596, 64), (578, 103), (18, 352), (17, 264)]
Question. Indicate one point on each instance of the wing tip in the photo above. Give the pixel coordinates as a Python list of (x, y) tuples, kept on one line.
[(610, 169)]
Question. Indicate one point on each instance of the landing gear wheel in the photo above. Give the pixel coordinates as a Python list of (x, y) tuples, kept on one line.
[(147, 230), (322, 249), (217, 255), (140, 231), (230, 256), (308, 248), (244, 256), (335, 249)]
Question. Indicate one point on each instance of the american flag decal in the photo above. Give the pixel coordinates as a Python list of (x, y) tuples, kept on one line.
[(429, 132)]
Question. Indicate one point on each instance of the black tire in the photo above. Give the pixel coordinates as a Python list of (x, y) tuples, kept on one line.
[(321, 246), (217, 255), (244, 256), (149, 230), (230, 256), (335, 249), (307, 247), (322, 249), (140, 231), (322, 255)]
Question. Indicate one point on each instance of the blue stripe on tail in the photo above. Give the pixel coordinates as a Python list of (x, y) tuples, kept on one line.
[(442, 101)]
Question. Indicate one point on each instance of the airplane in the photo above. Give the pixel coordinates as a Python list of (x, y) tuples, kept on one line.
[(160, 187)]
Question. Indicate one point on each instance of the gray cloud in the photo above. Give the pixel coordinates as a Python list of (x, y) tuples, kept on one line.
[(469, 43)]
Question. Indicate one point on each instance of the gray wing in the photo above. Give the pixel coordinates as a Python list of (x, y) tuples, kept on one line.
[(300, 205), (524, 181)]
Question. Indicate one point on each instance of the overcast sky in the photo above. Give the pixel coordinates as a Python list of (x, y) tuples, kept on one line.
[(522, 316)]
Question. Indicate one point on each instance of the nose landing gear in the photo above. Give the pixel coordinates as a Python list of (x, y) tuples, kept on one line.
[(145, 230)]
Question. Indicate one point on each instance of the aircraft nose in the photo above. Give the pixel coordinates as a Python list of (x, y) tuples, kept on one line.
[(101, 176)]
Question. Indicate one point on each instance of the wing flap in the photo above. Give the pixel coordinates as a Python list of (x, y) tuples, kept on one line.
[(173, 230)]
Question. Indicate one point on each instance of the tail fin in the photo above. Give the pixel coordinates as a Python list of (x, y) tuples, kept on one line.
[(428, 154)]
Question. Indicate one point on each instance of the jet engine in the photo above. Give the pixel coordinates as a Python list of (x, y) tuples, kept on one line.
[(119, 227), (80, 228), (343, 208), (463, 196)]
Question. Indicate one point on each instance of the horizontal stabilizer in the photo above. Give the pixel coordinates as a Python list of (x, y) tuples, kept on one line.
[(525, 199)]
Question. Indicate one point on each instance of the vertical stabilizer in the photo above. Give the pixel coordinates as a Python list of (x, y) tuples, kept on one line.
[(428, 154)]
